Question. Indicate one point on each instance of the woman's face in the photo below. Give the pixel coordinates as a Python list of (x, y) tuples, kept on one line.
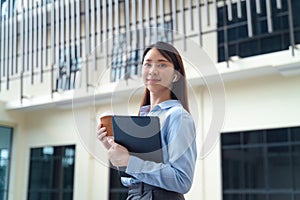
[(158, 72)]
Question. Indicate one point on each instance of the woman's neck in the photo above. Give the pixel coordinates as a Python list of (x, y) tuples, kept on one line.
[(157, 99)]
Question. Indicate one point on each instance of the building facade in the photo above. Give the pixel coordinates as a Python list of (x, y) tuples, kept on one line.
[(64, 63)]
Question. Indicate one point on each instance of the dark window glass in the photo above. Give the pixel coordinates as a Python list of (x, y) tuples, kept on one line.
[(280, 197), (277, 135), (5, 154), (232, 197), (117, 190), (51, 174), (295, 134), (232, 166), (246, 48), (262, 41), (69, 69), (125, 60), (221, 53), (231, 138), (297, 34), (253, 168), (296, 166), (270, 44), (254, 137), (261, 164), (279, 167), (255, 197)]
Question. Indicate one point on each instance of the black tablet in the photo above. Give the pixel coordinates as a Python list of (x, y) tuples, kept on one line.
[(140, 135)]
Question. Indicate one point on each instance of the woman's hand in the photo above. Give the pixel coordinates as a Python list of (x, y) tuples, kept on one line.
[(102, 136), (117, 154)]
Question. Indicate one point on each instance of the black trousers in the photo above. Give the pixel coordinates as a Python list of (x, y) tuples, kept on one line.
[(144, 191)]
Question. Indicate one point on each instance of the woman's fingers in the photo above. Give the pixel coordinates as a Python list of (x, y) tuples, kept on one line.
[(100, 131), (102, 136)]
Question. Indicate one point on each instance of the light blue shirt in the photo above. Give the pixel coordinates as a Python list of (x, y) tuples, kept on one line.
[(178, 136)]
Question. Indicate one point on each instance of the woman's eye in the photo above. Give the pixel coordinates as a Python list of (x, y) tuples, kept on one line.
[(162, 65), (147, 65)]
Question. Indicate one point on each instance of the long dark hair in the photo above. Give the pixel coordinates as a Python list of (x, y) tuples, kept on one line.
[(179, 88)]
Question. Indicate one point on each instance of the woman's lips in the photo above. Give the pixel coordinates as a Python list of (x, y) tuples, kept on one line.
[(152, 81)]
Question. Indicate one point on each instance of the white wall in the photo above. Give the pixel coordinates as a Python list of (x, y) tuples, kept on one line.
[(254, 103), (52, 127), (265, 102)]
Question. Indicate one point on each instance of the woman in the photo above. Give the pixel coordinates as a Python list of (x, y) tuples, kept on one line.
[(166, 97)]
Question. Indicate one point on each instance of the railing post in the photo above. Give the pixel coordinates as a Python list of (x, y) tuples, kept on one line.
[(291, 26)]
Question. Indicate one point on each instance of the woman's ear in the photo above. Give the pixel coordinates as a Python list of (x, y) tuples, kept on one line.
[(176, 77)]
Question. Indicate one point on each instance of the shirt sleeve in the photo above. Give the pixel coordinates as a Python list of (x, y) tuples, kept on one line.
[(177, 171)]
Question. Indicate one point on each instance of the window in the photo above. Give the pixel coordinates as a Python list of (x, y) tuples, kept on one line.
[(117, 190), (68, 76), (233, 39), (49, 1), (261, 165), (6, 5), (5, 155), (3, 8), (126, 61), (51, 174)]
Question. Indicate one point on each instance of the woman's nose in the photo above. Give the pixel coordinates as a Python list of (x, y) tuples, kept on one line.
[(153, 70)]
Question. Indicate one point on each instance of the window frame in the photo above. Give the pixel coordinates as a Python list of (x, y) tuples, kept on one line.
[(54, 183), (241, 181), (5, 190), (241, 44), (68, 76)]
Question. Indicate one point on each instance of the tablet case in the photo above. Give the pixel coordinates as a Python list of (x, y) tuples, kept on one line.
[(140, 135)]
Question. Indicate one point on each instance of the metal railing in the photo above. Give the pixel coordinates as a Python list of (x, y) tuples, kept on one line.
[(35, 34)]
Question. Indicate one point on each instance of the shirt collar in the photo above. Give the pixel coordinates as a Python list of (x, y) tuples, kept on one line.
[(163, 105)]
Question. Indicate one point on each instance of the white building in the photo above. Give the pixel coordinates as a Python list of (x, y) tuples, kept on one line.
[(63, 63)]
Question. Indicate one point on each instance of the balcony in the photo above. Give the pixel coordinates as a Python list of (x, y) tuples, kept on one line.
[(57, 52)]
